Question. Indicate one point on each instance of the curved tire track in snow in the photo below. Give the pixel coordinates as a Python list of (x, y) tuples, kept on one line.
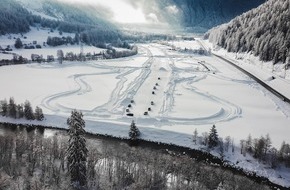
[(51, 103), (118, 99), (227, 112), (114, 108)]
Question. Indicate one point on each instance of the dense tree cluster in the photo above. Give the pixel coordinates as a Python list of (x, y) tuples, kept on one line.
[(265, 31), (29, 161), (17, 111), (260, 148), (14, 18), (201, 14), (81, 15)]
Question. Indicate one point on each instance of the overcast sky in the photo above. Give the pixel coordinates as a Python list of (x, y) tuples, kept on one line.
[(124, 11)]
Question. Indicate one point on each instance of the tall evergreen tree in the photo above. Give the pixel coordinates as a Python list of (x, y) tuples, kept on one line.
[(38, 114), (134, 132), (195, 133), (12, 108), (213, 137), (18, 43), (77, 151), (60, 56), (4, 107), (28, 112), (20, 111)]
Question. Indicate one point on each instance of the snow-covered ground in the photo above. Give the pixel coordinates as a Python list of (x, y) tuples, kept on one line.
[(274, 75), (40, 35), (185, 44), (187, 96)]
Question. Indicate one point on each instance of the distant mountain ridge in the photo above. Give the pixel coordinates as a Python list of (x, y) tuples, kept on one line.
[(264, 31), (17, 16)]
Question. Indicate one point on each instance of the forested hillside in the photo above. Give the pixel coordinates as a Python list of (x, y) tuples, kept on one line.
[(75, 13), (205, 13), (18, 16), (265, 31), (14, 18)]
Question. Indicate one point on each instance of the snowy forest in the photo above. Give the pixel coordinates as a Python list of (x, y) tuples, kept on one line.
[(264, 31), (40, 163), (14, 18), (210, 13)]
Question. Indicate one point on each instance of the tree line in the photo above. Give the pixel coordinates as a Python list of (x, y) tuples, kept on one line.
[(75, 161), (260, 148), (17, 111), (264, 31)]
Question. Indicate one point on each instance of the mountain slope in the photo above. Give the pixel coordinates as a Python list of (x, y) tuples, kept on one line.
[(265, 31), (203, 13), (17, 16), (209, 13), (76, 13), (14, 18)]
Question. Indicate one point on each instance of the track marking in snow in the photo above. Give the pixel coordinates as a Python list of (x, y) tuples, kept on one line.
[(159, 74)]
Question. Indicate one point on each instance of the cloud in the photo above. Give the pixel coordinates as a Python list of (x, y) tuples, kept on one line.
[(172, 9), (122, 11), (151, 17), (137, 4)]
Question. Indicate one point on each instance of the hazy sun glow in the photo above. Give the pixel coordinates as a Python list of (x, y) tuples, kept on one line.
[(125, 13), (122, 11)]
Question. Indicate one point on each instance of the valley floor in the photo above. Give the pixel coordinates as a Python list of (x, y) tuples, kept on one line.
[(190, 92)]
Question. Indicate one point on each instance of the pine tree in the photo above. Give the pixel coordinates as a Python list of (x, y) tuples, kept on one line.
[(249, 144), (4, 108), (77, 151), (12, 108), (195, 133), (38, 114), (134, 132), (20, 111), (60, 56), (213, 137), (28, 112), (18, 43)]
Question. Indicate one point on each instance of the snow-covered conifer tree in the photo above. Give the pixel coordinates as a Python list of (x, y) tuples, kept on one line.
[(213, 137), (12, 108), (134, 132), (38, 114), (77, 151), (28, 112), (195, 133), (4, 107), (60, 56)]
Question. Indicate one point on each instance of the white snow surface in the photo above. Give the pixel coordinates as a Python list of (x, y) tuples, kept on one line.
[(40, 35), (273, 75), (187, 96)]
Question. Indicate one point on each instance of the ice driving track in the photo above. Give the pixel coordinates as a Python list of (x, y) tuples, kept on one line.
[(155, 66)]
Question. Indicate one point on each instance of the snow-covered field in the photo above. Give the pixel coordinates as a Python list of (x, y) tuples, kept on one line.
[(274, 75), (186, 97), (40, 36)]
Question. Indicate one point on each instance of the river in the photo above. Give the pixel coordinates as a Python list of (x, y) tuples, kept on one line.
[(176, 167)]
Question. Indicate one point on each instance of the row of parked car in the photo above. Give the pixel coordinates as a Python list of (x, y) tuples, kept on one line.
[(149, 108)]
